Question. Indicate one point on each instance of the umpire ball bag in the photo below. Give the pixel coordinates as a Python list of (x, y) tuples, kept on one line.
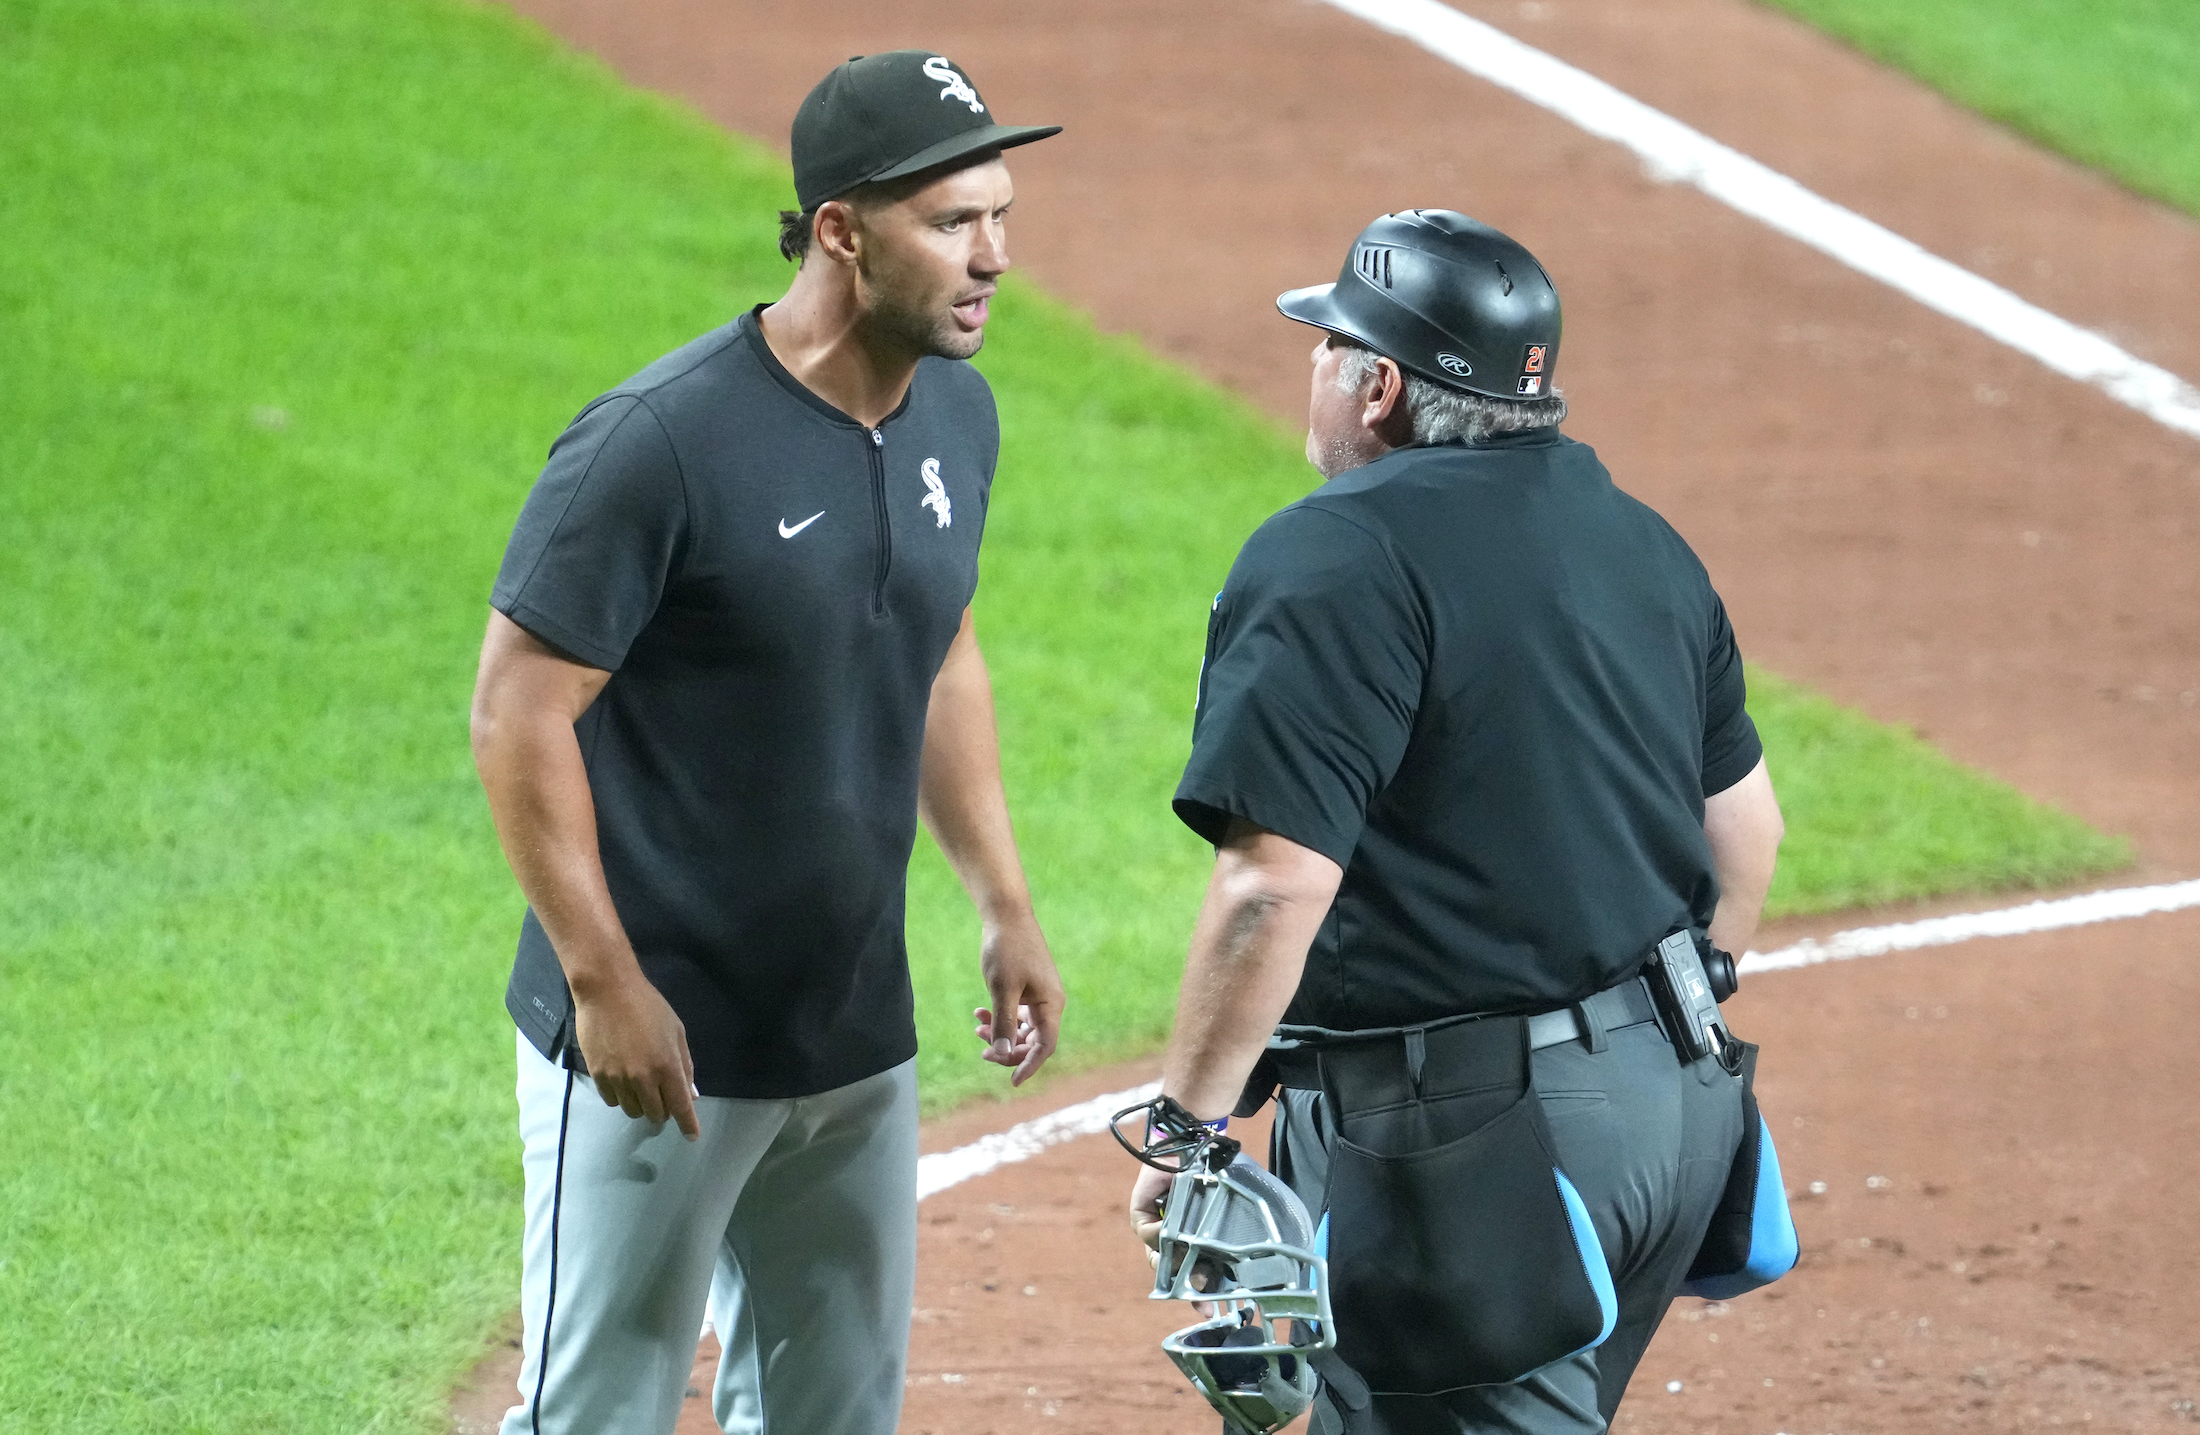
[(1459, 1253), (1751, 1241)]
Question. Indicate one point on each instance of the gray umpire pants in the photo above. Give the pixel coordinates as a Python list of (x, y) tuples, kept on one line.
[(1647, 1143), (795, 1221)]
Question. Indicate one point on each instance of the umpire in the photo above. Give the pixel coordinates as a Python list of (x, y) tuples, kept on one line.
[(1472, 750)]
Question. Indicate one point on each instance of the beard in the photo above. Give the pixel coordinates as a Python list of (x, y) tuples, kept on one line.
[(897, 320), (1334, 453)]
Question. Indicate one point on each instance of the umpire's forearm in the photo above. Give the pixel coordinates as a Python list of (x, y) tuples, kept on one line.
[(1744, 827), (1265, 901)]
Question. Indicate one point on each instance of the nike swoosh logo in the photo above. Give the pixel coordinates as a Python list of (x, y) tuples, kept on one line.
[(786, 532)]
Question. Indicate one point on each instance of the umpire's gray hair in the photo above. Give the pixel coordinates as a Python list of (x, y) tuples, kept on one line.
[(1441, 415)]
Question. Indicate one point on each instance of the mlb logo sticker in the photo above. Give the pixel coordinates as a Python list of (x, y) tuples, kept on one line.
[(1531, 386), (1533, 364)]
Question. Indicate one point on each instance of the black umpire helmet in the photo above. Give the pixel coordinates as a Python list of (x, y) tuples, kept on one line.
[(1448, 298)]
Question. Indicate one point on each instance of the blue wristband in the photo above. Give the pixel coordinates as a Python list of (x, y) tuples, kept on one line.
[(1219, 1125)]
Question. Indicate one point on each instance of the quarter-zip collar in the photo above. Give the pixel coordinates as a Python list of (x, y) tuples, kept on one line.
[(751, 327), (885, 563)]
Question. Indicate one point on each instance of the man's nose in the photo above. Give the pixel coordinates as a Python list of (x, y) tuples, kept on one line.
[(990, 256)]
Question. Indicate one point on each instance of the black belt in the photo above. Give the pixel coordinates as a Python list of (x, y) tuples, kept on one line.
[(1587, 1021)]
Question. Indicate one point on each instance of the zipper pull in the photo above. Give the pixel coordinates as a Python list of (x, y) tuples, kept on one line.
[(878, 440)]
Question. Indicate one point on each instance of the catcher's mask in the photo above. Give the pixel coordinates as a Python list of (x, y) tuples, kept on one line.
[(1235, 1236)]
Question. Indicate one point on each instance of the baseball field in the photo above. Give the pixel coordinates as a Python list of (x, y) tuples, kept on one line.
[(298, 295)]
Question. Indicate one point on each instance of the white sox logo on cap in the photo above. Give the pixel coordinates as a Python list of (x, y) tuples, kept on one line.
[(958, 88)]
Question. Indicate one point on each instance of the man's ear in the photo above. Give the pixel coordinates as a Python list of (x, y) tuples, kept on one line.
[(1383, 402), (839, 232)]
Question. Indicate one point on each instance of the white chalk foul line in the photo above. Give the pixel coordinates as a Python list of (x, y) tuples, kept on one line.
[(1026, 1139), (1672, 151), (2077, 911)]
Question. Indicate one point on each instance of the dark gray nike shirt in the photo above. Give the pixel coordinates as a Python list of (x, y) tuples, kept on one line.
[(772, 587)]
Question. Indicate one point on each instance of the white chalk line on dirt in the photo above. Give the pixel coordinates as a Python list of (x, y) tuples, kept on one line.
[(2079, 911), (1026, 1139), (1673, 152)]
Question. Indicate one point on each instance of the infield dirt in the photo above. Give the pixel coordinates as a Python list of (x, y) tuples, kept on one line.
[(1899, 512)]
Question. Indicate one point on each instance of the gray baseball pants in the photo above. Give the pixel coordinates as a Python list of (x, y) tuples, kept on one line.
[(1647, 1143), (794, 1221)]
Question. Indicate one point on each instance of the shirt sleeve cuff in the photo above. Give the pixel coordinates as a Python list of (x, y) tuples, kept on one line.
[(1736, 758), (1208, 811), (566, 640)]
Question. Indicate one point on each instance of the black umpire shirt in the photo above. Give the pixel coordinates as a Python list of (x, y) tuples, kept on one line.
[(772, 587), (1495, 690)]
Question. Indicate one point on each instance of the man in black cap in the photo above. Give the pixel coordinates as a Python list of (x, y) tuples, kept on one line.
[(1472, 749), (730, 662)]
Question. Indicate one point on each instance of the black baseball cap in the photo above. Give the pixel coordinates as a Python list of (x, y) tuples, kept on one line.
[(885, 116)]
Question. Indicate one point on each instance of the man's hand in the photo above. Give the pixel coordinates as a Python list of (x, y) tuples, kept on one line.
[(1147, 1193), (1020, 977), (637, 1052)]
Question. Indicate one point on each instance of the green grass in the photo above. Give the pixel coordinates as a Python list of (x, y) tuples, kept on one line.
[(294, 298), (1875, 815), (2115, 83)]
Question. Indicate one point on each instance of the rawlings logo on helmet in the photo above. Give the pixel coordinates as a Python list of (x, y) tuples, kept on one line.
[(1453, 364)]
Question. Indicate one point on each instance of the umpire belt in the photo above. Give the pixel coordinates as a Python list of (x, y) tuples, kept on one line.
[(1587, 1021)]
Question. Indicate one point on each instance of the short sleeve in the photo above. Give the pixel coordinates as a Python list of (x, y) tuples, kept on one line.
[(1731, 747), (1316, 655), (599, 535)]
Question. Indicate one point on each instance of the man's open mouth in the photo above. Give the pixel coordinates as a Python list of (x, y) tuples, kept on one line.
[(971, 312)]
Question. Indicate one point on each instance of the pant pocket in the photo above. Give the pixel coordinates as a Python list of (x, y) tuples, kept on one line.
[(1562, 1105), (1470, 1262)]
